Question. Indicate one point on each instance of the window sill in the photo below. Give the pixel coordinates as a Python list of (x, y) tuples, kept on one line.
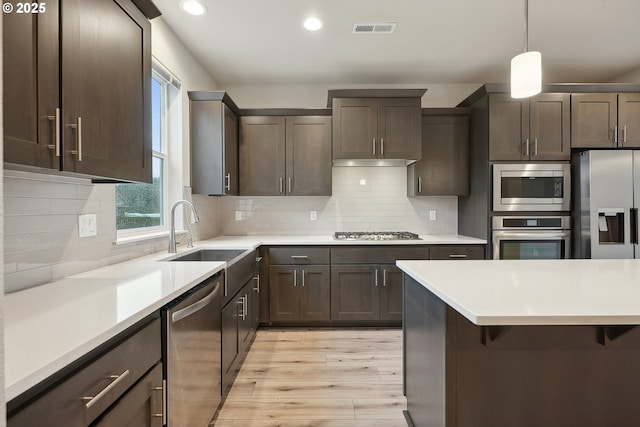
[(136, 238)]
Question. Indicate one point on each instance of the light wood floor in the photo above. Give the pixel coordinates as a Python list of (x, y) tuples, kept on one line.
[(319, 378)]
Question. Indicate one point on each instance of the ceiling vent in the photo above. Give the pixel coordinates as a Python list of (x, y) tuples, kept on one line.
[(380, 28)]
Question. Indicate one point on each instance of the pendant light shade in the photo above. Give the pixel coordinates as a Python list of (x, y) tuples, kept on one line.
[(526, 68), (526, 74)]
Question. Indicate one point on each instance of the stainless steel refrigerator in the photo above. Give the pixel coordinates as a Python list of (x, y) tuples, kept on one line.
[(606, 197)]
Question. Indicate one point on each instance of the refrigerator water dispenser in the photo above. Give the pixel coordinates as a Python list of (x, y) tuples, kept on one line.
[(610, 226)]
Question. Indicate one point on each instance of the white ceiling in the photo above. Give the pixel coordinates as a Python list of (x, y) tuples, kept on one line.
[(436, 41)]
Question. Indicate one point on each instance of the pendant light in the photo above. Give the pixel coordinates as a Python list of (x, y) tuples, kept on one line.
[(526, 68)]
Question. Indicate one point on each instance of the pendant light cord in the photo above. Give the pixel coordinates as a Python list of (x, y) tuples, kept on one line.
[(526, 25)]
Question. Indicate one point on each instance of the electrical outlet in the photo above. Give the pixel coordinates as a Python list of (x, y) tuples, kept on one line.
[(238, 215), (432, 215), (87, 225), (313, 215)]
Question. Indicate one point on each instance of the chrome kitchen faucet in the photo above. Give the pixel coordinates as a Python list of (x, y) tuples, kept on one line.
[(173, 244)]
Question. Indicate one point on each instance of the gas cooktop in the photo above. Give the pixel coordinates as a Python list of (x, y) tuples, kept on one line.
[(375, 235)]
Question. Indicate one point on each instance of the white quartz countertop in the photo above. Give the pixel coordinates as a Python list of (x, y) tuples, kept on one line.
[(540, 292), (50, 326)]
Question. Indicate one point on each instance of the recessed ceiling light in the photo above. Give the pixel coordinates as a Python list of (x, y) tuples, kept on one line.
[(312, 24), (193, 7)]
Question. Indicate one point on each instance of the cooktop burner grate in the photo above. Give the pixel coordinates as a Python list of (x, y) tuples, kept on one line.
[(375, 235)]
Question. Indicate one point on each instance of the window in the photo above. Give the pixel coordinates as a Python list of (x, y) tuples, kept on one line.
[(142, 208)]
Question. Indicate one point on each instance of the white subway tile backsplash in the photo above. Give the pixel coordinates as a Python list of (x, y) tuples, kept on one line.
[(380, 204), (41, 240)]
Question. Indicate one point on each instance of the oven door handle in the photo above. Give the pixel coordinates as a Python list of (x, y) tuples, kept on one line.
[(196, 306), (538, 235)]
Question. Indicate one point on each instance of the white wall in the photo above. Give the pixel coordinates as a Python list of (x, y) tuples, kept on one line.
[(41, 241), (315, 96), (632, 76)]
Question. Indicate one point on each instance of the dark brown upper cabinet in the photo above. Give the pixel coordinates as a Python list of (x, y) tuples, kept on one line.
[(536, 128), (605, 120), (376, 128), (84, 105), (444, 167), (214, 144), (285, 156)]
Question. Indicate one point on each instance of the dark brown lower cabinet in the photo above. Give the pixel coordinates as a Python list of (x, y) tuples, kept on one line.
[(366, 292), (140, 407), (122, 385), (299, 293), (238, 330)]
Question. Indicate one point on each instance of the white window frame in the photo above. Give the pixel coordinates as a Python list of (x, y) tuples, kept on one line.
[(170, 145)]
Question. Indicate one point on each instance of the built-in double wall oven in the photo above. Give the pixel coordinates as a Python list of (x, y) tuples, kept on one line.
[(530, 211)]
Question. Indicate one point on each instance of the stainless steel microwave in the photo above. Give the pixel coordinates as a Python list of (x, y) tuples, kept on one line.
[(531, 187)]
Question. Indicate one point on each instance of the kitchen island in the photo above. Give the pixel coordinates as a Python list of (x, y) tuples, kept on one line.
[(522, 343)]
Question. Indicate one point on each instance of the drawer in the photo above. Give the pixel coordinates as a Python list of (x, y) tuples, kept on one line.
[(82, 396), (457, 252), (299, 255), (377, 254)]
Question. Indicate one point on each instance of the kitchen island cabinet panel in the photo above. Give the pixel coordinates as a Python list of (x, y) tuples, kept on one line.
[(516, 360)]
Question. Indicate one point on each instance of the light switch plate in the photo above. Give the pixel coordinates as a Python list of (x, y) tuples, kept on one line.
[(238, 215), (87, 225), (313, 215)]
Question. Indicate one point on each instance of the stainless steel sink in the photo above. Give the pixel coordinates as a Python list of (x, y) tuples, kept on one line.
[(211, 255)]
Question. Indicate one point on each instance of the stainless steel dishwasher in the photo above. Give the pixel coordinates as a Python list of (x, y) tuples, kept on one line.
[(191, 331)]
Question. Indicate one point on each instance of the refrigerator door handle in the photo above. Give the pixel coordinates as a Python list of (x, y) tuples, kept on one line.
[(633, 225)]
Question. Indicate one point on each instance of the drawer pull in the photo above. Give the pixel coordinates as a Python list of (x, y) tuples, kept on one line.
[(457, 256), (299, 257), (116, 379)]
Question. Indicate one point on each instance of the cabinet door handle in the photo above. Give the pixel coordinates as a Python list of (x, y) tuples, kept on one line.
[(457, 256), (56, 132), (373, 143), (92, 400), (163, 414), (245, 307), (535, 147), (384, 277), (299, 256), (615, 135), (303, 278), (526, 144), (375, 277), (624, 133), (289, 185), (382, 146), (257, 279), (295, 278), (227, 181), (281, 185), (419, 184), (78, 127)]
